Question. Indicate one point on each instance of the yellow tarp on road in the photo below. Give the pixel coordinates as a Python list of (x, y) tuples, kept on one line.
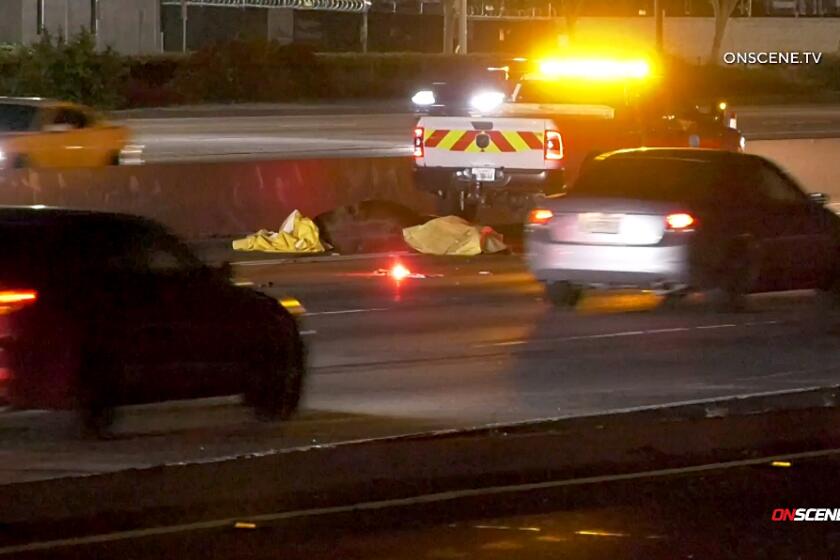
[(297, 235), (452, 235)]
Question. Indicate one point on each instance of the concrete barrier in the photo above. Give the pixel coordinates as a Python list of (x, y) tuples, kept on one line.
[(200, 200), (723, 429), (220, 199), (813, 162)]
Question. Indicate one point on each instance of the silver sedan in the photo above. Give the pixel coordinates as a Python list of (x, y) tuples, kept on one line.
[(683, 219)]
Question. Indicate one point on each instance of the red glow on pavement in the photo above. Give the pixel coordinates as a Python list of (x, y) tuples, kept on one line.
[(399, 272)]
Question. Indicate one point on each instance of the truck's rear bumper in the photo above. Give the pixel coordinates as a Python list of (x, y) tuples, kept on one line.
[(509, 181)]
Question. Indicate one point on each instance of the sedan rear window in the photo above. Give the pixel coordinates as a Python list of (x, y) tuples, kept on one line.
[(16, 118), (649, 179)]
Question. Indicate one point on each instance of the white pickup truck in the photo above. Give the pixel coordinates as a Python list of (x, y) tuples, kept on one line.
[(510, 149), (492, 152)]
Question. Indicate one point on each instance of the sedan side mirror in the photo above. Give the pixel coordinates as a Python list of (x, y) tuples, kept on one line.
[(819, 198)]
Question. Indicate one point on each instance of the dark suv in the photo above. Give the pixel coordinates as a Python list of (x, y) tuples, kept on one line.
[(99, 310)]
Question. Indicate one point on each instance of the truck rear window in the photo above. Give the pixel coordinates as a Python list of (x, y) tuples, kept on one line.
[(16, 118), (649, 179)]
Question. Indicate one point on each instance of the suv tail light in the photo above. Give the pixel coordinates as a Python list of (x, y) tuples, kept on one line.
[(680, 221), (418, 142), (553, 143), (540, 216), (14, 300)]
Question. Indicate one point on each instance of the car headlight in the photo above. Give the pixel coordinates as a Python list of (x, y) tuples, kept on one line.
[(486, 101), (743, 143), (424, 98), (2, 159)]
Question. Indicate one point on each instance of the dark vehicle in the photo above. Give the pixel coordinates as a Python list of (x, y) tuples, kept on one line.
[(683, 219), (99, 310)]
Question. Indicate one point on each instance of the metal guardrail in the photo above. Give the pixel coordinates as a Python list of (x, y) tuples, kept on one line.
[(323, 5)]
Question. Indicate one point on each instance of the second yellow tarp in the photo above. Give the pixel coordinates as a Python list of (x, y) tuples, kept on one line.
[(452, 235)]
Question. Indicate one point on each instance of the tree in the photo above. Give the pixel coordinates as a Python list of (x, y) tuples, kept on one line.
[(723, 9)]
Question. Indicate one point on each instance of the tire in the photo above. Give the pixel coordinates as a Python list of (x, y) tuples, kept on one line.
[(736, 277), (456, 204), (278, 374), (563, 295), (98, 394), (827, 300), (20, 162), (114, 160)]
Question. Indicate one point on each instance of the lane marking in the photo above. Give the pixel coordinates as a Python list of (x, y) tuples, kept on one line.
[(346, 311), (308, 333), (510, 343), (623, 334), (402, 502)]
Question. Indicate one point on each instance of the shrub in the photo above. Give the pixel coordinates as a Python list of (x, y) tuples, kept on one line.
[(73, 70), (249, 70)]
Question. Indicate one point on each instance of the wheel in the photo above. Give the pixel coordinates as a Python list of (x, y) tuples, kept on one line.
[(737, 277), (457, 204), (98, 393), (114, 159), (20, 162), (277, 383), (827, 300), (674, 299), (563, 294)]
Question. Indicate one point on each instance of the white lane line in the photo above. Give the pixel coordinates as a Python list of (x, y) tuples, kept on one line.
[(402, 502), (607, 335), (308, 333), (759, 323), (242, 284), (623, 333), (346, 311)]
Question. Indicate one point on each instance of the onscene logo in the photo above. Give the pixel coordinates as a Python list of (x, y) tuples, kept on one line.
[(806, 514), (772, 57)]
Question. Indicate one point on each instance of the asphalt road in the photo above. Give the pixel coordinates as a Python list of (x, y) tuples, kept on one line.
[(247, 133), (716, 511), (471, 343)]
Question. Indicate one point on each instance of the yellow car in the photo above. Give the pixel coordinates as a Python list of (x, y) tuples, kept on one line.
[(44, 133)]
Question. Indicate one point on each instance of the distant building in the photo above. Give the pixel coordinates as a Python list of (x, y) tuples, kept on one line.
[(129, 26)]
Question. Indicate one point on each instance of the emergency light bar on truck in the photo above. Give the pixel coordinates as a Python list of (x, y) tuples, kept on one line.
[(595, 68)]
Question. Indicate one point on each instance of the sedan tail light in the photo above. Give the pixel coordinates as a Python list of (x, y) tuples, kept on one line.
[(680, 221), (553, 143), (419, 149), (14, 300), (540, 216)]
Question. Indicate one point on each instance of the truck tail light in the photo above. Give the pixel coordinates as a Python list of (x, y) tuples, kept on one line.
[(553, 145), (418, 142), (680, 221), (14, 300), (540, 216)]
